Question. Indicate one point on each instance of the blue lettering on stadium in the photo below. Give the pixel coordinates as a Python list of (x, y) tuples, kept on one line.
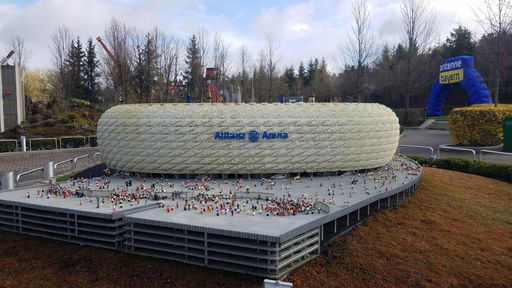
[(253, 136)]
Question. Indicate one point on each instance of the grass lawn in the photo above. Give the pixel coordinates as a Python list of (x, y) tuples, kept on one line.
[(456, 231), (438, 117)]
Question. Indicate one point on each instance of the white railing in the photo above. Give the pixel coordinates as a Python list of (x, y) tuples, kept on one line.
[(492, 152), (32, 139), (417, 147), (72, 137), (11, 140), (441, 147)]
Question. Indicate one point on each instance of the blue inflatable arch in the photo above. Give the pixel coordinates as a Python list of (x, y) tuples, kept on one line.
[(457, 70)]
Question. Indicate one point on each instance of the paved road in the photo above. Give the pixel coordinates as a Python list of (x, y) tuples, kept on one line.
[(23, 161), (434, 138)]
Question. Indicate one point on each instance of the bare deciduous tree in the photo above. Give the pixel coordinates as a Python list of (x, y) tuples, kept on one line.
[(419, 24), (271, 47), (221, 61), (244, 62), (495, 18), (171, 49), (21, 53), (118, 37), (61, 41), (360, 50), (203, 40)]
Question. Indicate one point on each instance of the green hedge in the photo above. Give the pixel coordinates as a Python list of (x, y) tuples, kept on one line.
[(93, 141), (415, 116), (8, 146), (74, 142), (43, 144), (491, 170)]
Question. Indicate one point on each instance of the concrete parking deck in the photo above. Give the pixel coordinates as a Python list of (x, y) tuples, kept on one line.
[(246, 241)]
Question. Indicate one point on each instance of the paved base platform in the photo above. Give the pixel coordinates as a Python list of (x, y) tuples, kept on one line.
[(261, 226)]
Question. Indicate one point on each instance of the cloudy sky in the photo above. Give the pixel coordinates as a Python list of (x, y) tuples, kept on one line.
[(304, 29)]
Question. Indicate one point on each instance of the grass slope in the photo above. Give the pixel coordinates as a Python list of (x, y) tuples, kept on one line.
[(455, 231)]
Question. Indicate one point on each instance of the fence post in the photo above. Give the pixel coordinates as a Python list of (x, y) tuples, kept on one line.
[(7, 181), (23, 143), (48, 170)]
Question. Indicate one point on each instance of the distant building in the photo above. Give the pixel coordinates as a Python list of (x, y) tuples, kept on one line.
[(12, 100)]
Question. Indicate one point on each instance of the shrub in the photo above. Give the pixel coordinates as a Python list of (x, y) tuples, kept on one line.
[(8, 146), (93, 141), (478, 125), (415, 116), (80, 103), (72, 142), (491, 170), (69, 117), (43, 144)]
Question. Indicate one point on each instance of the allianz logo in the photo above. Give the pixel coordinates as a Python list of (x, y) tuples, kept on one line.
[(253, 135)]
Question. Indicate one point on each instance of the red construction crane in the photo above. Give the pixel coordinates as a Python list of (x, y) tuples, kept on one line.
[(114, 59), (106, 49)]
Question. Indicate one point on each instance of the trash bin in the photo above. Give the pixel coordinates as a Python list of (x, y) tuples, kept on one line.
[(507, 134)]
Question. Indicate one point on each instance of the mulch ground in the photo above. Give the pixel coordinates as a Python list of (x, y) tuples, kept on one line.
[(456, 231)]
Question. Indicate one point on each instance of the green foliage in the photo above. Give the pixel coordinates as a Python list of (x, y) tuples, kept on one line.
[(193, 76), (478, 125), (415, 116), (69, 117), (93, 141), (67, 177), (15, 130), (90, 73), (74, 69), (491, 170), (7, 146), (80, 103), (43, 144), (459, 43), (74, 142)]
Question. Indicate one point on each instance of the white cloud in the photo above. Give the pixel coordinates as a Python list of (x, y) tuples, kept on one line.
[(304, 29)]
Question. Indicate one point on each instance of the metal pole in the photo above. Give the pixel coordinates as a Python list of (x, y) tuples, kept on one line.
[(48, 170), (8, 181), (23, 143)]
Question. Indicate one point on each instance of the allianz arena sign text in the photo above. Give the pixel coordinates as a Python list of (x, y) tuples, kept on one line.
[(253, 135)]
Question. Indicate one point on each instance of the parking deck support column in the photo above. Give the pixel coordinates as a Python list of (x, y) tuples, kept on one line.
[(205, 249), (358, 214), (7, 181)]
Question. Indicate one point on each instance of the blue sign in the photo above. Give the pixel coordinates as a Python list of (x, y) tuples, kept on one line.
[(254, 136), (457, 70)]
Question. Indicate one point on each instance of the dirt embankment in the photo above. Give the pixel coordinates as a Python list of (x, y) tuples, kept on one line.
[(456, 231)]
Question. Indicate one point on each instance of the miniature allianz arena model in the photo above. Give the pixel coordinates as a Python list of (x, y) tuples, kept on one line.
[(247, 138)]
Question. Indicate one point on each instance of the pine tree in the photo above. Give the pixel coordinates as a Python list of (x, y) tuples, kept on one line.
[(73, 66), (193, 75), (145, 70), (302, 76), (90, 73), (290, 80)]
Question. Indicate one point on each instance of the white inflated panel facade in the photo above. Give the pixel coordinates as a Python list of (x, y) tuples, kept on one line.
[(216, 138)]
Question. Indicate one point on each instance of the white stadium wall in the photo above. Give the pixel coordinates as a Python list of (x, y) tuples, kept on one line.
[(247, 138)]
